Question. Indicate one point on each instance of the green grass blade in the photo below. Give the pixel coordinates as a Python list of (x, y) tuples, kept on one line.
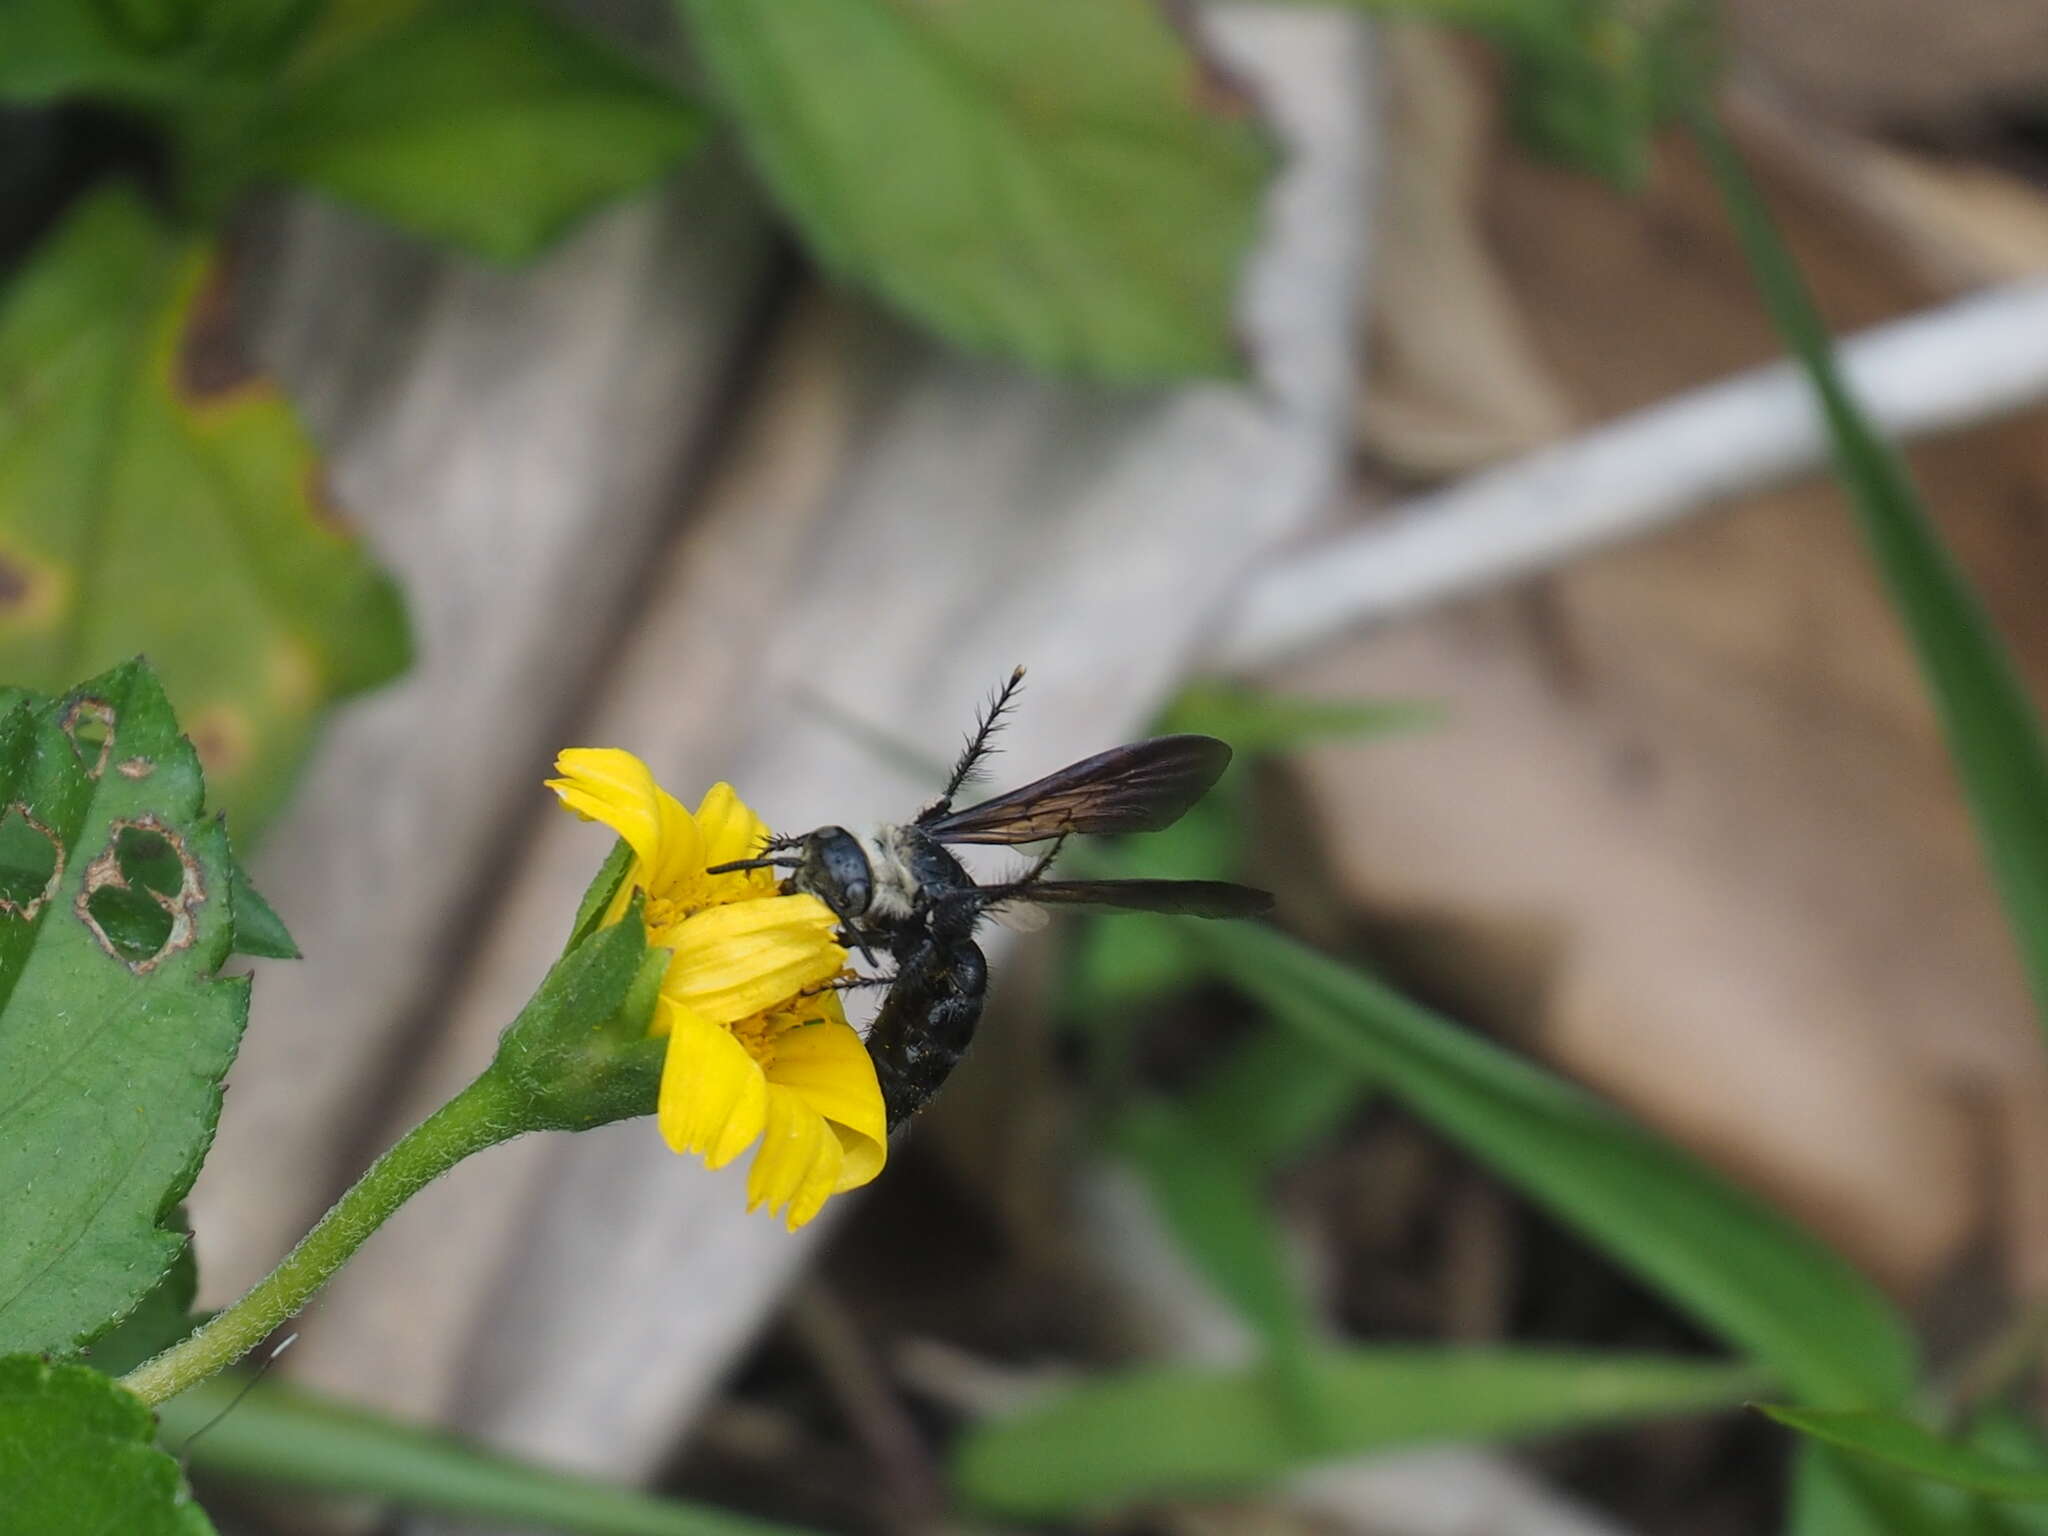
[(1215, 1204), (281, 1435), (1834, 1494), (1767, 1287), (1188, 1429), (1899, 1442), (1272, 1099), (1991, 724)]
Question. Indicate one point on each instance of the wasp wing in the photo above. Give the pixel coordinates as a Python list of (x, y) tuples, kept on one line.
[(1139, 788), (1184, 898)]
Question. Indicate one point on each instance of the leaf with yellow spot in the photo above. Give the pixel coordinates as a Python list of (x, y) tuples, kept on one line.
[(158, 496)]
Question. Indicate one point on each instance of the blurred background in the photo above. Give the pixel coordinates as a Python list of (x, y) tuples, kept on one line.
[(751, 383)]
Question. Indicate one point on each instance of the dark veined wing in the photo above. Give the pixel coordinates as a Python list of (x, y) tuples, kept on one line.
[(1184, 898), (1139, 788)]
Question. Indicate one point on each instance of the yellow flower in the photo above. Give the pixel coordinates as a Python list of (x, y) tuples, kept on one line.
[(751, 1054)]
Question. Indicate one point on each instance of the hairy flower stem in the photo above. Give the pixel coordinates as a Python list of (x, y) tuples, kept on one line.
[(490, 1110)]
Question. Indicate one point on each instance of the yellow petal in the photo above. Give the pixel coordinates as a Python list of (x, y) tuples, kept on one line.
[(798, 1164), (713, 1099), (825, 1065), (732, 831), (747, 956), (613, 786), (682, 847)]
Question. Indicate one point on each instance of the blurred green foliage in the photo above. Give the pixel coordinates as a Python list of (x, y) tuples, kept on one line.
[(1209, 1151), (1068, 182), (288, 1438), (78, 1454), (1994, 733), (1900, 1442), (1175, 1429), (1590, 82)]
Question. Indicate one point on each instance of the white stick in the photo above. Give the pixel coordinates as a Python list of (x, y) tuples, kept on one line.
[(1972, 361)]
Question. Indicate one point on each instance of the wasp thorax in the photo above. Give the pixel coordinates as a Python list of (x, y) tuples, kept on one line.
[(832, 866)]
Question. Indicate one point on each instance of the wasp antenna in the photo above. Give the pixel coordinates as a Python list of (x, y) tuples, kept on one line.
[(739, 864)]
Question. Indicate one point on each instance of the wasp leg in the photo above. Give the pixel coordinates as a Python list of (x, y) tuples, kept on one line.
[(978, 746)]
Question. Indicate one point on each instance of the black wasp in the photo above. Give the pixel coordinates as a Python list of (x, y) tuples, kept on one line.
[(902, 891)]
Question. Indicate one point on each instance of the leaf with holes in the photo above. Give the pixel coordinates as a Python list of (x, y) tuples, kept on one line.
[(115, 1032), (78, 1453), (1067, 182), (158, 497)]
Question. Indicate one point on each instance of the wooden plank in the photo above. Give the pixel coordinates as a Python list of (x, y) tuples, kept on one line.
[(921, 523), (508, 441)]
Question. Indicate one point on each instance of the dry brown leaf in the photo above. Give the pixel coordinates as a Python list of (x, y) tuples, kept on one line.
[(1898, 61), (1454, 379)]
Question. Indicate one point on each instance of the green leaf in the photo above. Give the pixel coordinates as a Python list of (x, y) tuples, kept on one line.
[(144, 52), (1216, 1208), (259, 931), (1590, 81), (77, 1454), (2003, 1432), (1739, 1267), (1258, 723), (489, 124), (1838, 1495), (1990, 722), (157, 496), (283, 1436), (1065, 182), (1191, 1429), (1120, 962), (1272, 1099), (114, 1030), (163, 1317), (1899, 1442), (1593, 80)]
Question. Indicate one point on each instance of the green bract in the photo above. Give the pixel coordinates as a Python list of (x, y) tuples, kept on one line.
[(1063, 181), (579, 1052), (157, 495), (115, 1032), (78, 1453)]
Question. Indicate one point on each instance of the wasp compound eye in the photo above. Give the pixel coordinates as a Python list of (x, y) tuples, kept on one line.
[(835, 869)]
